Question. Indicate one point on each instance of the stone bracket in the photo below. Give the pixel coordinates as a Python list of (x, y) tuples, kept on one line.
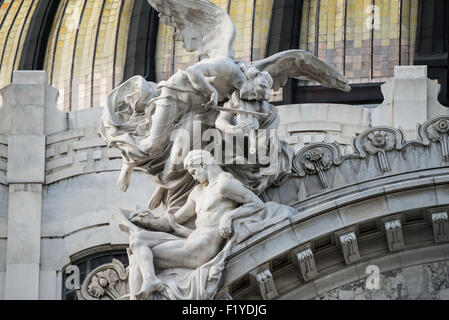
[(347, 241), (440, 225), (305, 261), (393, 230), (262, 279)]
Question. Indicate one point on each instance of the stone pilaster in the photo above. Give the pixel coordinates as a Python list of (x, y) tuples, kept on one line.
[(27, 100), (410, 98)]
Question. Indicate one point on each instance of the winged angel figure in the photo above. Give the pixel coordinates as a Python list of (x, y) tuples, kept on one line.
[(140, 120)]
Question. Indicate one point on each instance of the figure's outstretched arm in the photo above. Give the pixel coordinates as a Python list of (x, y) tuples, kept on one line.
[(197, 76)]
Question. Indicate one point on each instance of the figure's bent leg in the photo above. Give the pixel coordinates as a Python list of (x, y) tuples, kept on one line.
[(150, 283), (135, 277), (143, 257)]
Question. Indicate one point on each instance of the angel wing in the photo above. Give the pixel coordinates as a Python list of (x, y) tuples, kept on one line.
[(200, 24), (300, 63)]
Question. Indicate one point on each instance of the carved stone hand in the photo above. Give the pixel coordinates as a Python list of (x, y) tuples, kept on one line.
[(213, 103), (226, 226)]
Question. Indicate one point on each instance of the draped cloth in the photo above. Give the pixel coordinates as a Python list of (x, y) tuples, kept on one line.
[(127, 121), (253, 176), (204, 282)]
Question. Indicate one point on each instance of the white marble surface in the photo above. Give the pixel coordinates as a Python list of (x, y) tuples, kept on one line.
[(22, 282), (421, 282)]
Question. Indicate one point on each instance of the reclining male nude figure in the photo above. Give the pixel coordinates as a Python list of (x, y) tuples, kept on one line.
[(217, 200)]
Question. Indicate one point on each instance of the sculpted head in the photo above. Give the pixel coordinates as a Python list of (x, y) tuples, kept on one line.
[(198, 163), (258, 86)]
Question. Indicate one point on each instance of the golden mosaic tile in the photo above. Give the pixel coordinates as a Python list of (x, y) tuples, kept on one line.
[(365, 46), (87, 50), (15, 17)]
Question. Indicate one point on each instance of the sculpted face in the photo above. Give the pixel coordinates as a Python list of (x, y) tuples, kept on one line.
[(198, 173), (248, 91), (257, 87)]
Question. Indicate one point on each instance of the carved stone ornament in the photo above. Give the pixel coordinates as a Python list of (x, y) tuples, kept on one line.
[(437, 130), (378, 141), (393, 230), (347, 241), (317, 159), (305, 261), (263, 280), (440, 224), (106, 282)]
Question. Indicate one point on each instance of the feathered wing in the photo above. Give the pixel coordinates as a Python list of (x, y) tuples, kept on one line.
[(301, 64), (200, 24)]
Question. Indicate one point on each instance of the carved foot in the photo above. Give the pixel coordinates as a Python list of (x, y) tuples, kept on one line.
[(124, 179), (156, 199), (148, 287)]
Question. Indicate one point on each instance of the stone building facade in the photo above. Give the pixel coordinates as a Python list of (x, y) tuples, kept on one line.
[(373, 213), (379, 201)]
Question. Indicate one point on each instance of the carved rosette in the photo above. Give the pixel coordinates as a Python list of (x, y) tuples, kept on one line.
[(106, 282), (378, 141), (317, 159), (437, 130)]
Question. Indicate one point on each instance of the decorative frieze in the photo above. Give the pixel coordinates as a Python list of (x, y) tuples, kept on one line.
[(377, 142), (437, 130), (440, 227), (77, 152), (393, 230), (317, 159), (262, 279), (305, 261)]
